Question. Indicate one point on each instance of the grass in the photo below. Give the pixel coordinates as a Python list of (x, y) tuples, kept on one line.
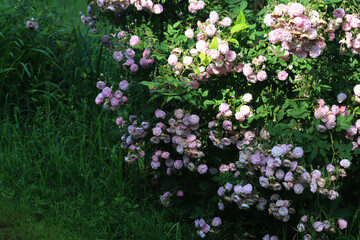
[(61, 172)]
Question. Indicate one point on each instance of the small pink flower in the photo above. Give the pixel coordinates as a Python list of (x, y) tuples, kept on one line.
[(261, 75), (172, 60), (189, 33), (210, 30), (194, 119), (339, 13), (318, 225), (134, 40), (342, 224), (298, 188), (226, 22), (214, 17), (134, 68), (247, 97), (283, 75), (345, 163), (202, 168), (160, 114), (216, 222), (223, 107), (179, 193), (157, 8), (118, 56)]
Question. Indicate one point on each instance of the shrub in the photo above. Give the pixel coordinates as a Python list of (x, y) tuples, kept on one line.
[(234, 109)]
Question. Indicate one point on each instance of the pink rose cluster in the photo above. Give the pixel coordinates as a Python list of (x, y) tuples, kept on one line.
[(183, 135), (127, 55), (278, 171), (350, 25), (244, 111), (132, 140), (120, 6), (111, 100), (228, 127), (204, 228), (296, 29), (328, 115), (221, 58), (195, 5), (254, 71)]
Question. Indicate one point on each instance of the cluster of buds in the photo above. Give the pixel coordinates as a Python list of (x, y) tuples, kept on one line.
[(254, 71), (130, 140), (328, 115), (318, 226), (296, 29), (134, 153), (165, 199), (280, 209), (126, 55), (204, 228), (90, 20), (117, 6), (111, 101)]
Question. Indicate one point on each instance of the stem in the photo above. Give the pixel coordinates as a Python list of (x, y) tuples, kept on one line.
[(332, 147)]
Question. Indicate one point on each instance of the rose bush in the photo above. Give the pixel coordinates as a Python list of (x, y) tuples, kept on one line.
[(233, 109)]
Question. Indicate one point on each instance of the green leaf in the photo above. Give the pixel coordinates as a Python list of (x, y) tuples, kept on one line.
[(240, 18), (205, 60), (238, 28), (233, 40), (197, 71), (151, 85), (214, 43), (280, 115)]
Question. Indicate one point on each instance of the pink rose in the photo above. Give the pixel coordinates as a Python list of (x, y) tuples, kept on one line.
[(134, 40), (283, 75)]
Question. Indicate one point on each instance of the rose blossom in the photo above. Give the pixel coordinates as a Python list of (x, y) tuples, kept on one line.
[(216, 222), (283, 75), (261, 75), (172, 60), (202, 168), (247, 97), (134, 40), (342, 224), (157, 8), (345, 163), (189, 33)]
